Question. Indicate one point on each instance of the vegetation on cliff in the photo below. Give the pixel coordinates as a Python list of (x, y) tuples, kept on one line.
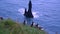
[(8, 26)]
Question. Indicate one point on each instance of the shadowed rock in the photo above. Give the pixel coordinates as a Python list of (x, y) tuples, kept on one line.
[(40, 28), (28, 13), (36, 26), (32, 24), (24, 22), (1, 18)]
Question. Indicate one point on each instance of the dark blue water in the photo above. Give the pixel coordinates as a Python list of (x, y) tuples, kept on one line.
[(46, 12)]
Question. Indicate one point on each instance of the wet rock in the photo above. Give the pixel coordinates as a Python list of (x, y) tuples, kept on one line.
[(1, 18), (28, 13)]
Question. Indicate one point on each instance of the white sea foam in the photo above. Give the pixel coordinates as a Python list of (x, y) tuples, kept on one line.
[(21, 10), (35, 13)]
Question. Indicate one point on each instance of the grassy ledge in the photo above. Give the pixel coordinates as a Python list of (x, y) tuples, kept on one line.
[(8, 26)]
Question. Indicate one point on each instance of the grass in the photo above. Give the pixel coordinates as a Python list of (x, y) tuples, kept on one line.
[(8, 26)]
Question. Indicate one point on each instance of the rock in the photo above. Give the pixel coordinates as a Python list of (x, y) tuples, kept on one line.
[(24, 22), (1, 18), (28, 13), (36, 25), (32, 24)]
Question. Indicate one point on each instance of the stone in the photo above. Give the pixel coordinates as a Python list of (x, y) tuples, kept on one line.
[(28, 13)]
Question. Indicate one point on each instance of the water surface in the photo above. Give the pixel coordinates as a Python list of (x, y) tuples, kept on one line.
[(46, 12)]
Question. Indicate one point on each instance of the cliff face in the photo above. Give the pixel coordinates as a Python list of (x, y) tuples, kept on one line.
[(28, 13)]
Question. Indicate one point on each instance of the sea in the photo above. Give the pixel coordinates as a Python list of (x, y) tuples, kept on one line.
[(46, 12)]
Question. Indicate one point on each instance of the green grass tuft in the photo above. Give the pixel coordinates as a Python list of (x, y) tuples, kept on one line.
[(8, 26)]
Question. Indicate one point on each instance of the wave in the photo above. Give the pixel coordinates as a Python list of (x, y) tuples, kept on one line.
[(35, 13)]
